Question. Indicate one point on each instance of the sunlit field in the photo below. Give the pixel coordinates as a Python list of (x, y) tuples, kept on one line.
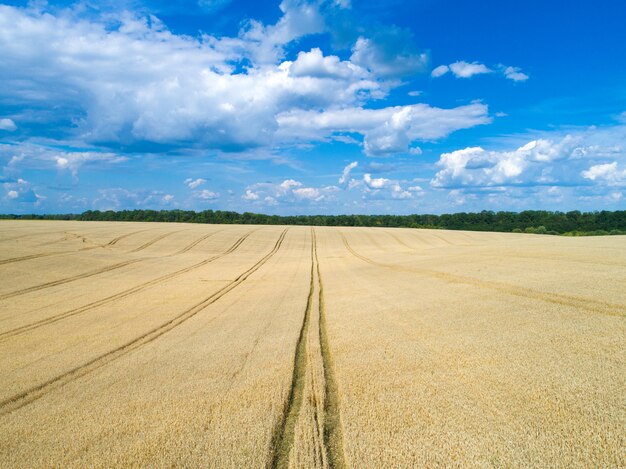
[(147, 344)]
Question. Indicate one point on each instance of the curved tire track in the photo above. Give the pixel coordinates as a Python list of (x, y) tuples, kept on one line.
[(68, 279), (30, 235), (114, 241), (587, 304), (196, 242), (60, 253), (155, 240), (26, 397), (131, 291), (33, 256)]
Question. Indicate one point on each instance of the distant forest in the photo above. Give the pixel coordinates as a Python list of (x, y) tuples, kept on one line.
[(572, 223)]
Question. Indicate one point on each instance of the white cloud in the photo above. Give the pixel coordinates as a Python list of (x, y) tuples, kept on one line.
[(73, 161), (289, 184), (288, 192), (315, 64), (374, 186), (386, 131), (462, 69), (136, 81), (22, 192), (307, 193), (300, 18), (389, 53), (610, 173), (249, 195), (167, 198), (345, 174), (398, 193), (28, 155), (375, 183), (440, 71), (515, 74), (194, 183), (206, 194), (8, 125), (475, 166), (543, 161)]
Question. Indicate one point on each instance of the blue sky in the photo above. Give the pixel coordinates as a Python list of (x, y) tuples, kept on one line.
[(312, 106)]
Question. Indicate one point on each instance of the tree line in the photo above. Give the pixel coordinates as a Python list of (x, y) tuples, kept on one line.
[(573, 223)]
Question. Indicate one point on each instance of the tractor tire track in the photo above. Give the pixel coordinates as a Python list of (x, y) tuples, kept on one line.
[(123, 294), (30, 235), (155, 240), (586, 304), (114, 241), (33, 256), (68, 279), (333, 428), (196, 242), (284, 433), (60, 253), (26, 397), (326, 445), (399, 241)]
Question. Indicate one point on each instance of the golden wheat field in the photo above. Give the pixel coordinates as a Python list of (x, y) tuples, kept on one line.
[(146, 344)]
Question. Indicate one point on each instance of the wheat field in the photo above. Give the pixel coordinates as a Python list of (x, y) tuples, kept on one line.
[(147, 344)]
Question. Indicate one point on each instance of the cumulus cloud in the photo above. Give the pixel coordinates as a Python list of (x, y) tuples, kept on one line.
[(464, 69), (386, 131), (310, 193), (315, 64), (389, 53), (475, 166), (21, 191), (28, 155), (288, 191), (135, 82), (375, 183), (374, 186), (515, 74), (345, 174), (8, 125), (194, 183), (548, 161), (609, 173), (206, 194), (250, 195)]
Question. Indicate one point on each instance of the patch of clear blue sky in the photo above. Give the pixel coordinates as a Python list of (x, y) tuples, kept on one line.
[(573, 51)]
